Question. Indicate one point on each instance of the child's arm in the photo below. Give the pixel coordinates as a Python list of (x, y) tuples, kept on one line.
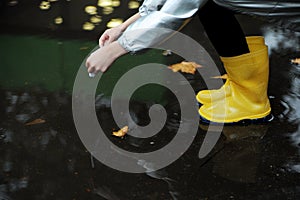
[(152, 14), (102, 58), (113, 34), (156, 15)]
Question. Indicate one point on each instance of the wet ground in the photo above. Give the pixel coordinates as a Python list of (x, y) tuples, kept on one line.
[(47, 160)]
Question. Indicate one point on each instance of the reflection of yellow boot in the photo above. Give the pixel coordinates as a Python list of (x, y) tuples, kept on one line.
[(206, 96), (248, 80)]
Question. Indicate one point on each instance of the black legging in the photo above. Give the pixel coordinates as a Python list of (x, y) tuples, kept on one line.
[(223, 30)]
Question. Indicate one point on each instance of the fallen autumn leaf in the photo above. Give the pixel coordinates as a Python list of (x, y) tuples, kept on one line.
[(186, 67), (296, 61), (36, 121), (122, 132)]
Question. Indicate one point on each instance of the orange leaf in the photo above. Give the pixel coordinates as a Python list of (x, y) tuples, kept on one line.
[(36, 121), (296, 61), (186, 67), (122, 132)]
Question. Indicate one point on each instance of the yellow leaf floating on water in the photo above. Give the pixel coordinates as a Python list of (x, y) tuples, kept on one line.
[(122, 132), (36, 121), (296, 61), (186, 67)]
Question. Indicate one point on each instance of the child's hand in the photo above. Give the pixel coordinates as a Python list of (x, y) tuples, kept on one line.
[(102, 58), (99, 60), (109, 36)]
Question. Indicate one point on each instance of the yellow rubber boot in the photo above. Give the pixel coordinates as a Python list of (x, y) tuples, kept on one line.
[(206, 96), (248, 76)]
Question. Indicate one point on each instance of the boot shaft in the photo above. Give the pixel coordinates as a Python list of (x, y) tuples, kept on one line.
[(250, 72)]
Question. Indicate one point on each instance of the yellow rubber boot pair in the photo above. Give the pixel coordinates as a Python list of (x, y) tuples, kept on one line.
[(244, 95), (206, 96)]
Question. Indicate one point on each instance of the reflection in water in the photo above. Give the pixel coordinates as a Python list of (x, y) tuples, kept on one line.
[(173, 185), (239, 159), (291, 101), (106, 193), (12, 2), (28, 152), (3, 195), (279, 39), (287, 43)]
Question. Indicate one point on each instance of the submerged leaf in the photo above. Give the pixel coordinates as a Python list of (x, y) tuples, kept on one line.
[(36, 121)]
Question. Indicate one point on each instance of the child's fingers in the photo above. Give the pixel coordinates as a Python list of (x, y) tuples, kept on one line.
[(89, 66), (91, 70), (110, 40), (87, 63), (103, 40)]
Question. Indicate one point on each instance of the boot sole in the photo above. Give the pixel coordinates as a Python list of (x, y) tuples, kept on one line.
[(243, 122)]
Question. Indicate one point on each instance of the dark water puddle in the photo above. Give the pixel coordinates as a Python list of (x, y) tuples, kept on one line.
[(48, 160)]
